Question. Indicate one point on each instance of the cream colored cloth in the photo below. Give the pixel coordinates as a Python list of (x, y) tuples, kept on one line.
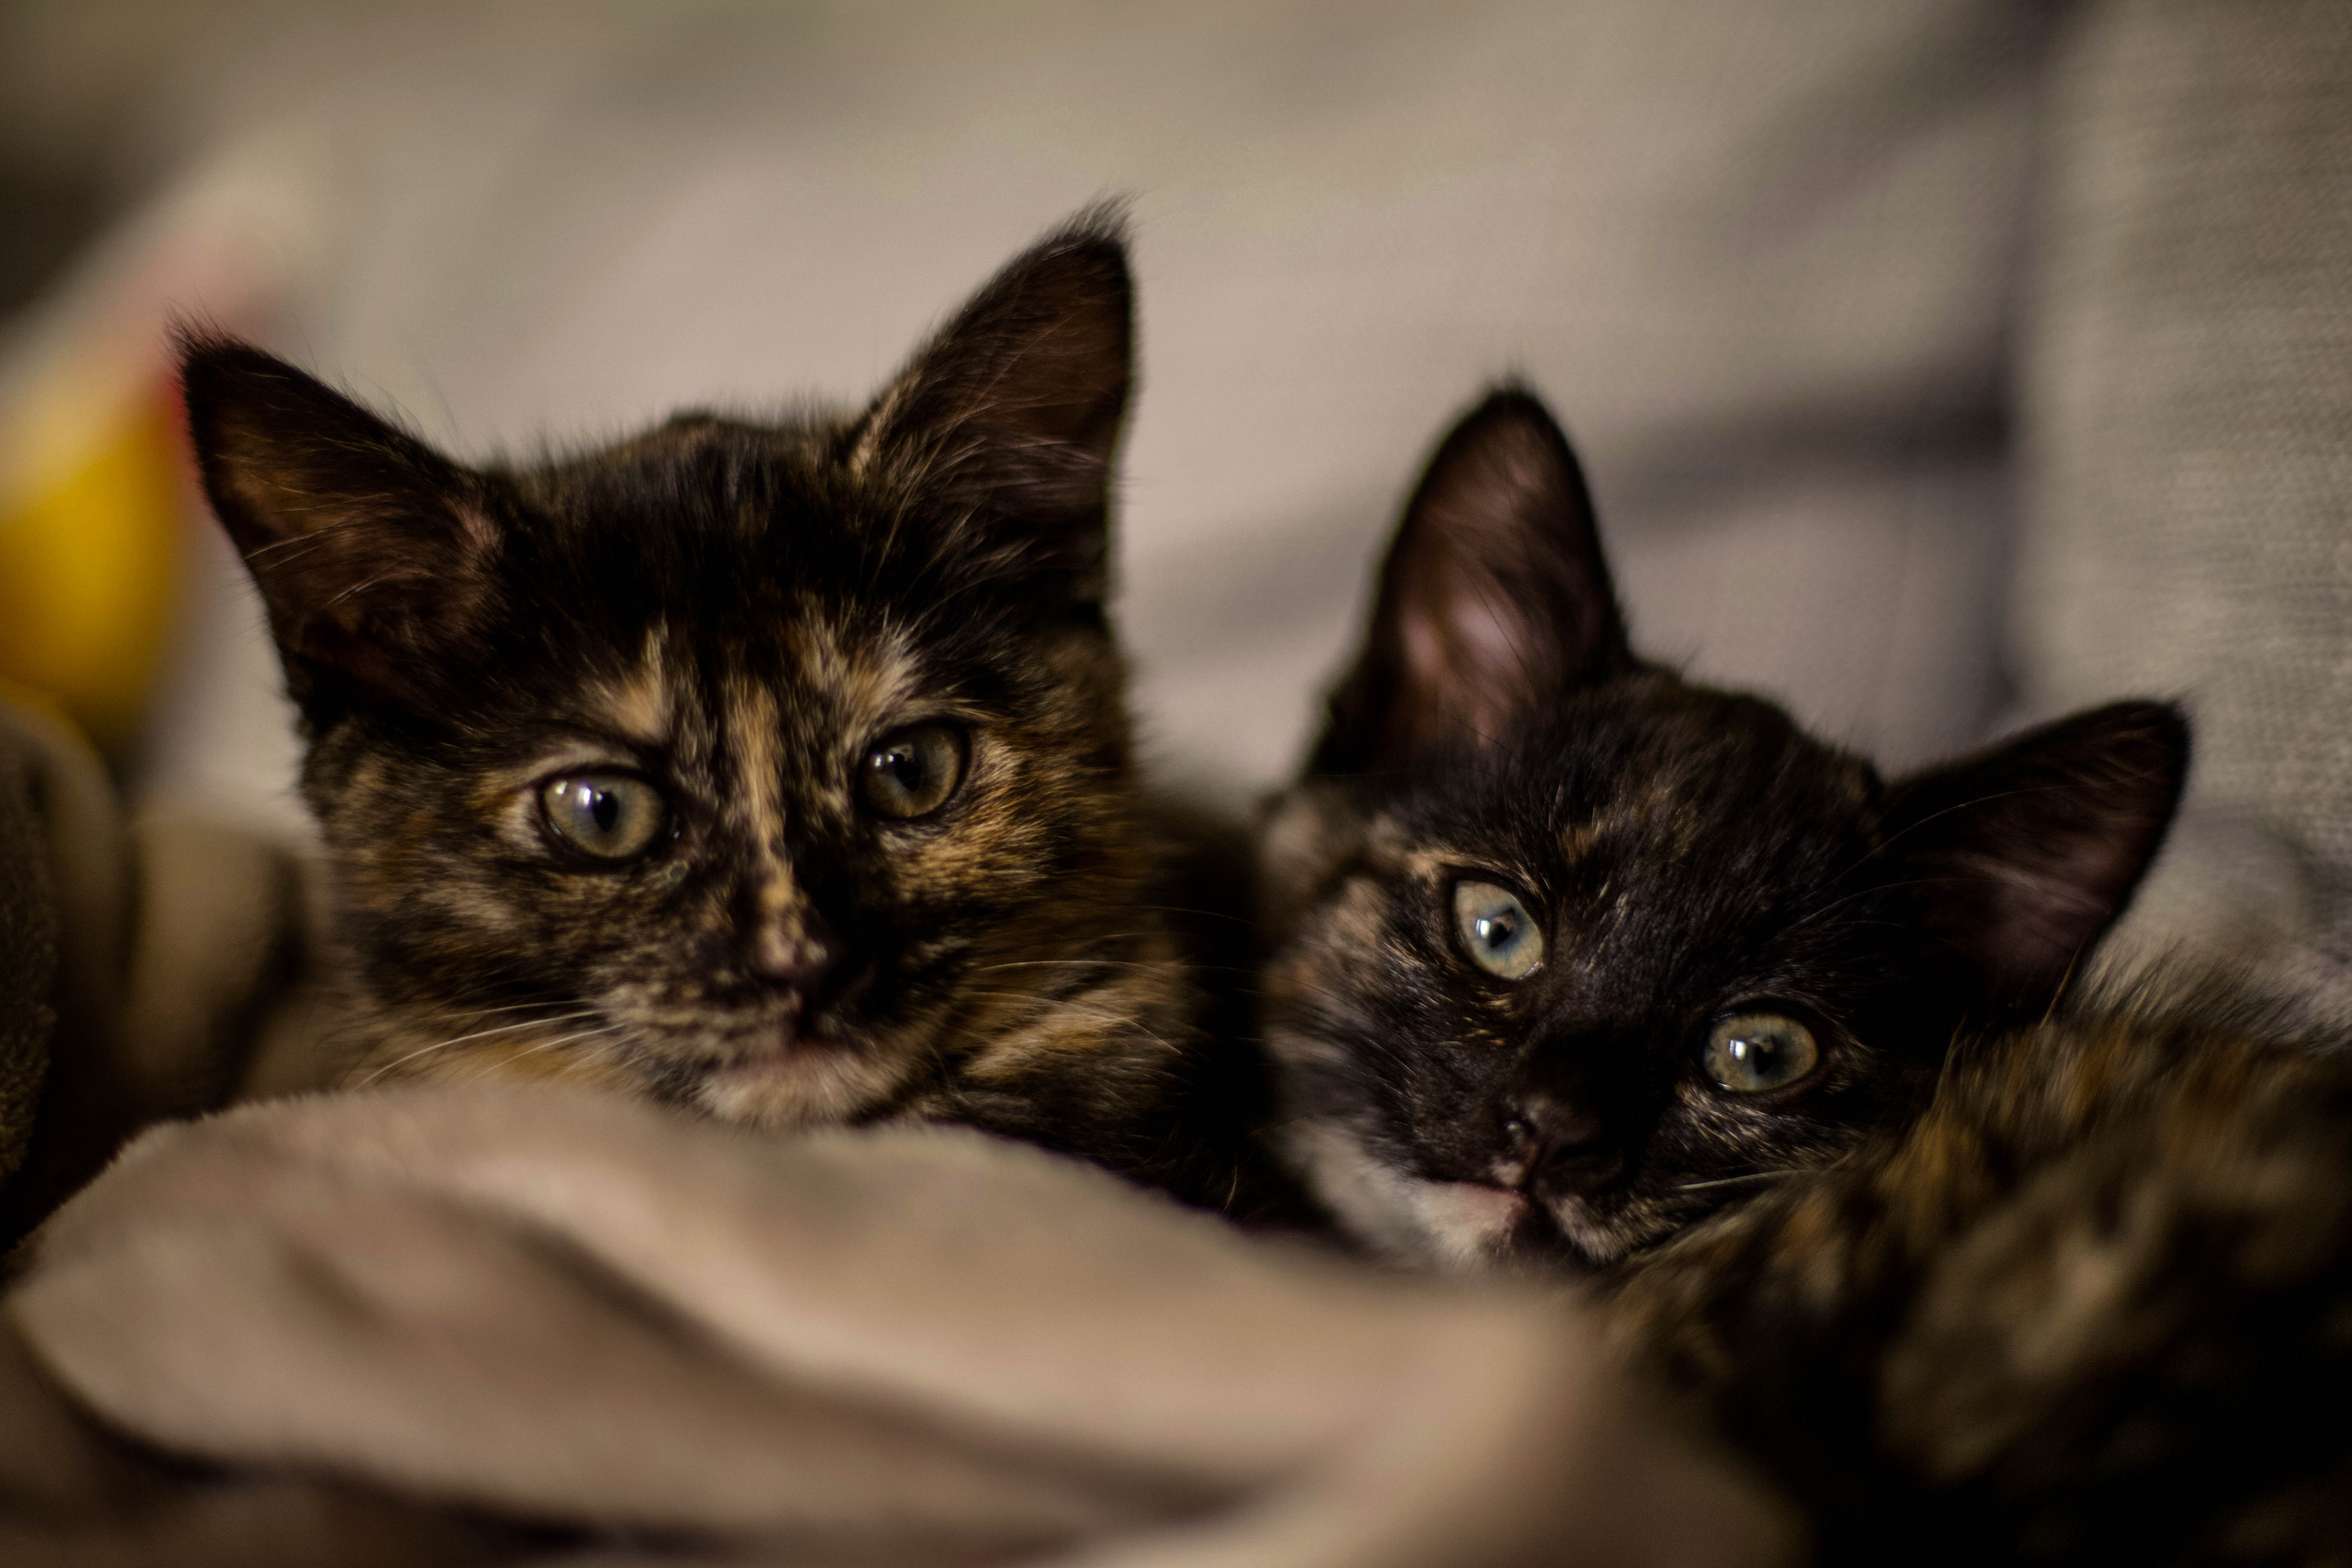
[(666, 1341), (2187, 422)]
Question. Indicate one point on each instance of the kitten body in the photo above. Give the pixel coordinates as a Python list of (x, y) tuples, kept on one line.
[(2094, 1304), (777, 770), (1976, 1270)]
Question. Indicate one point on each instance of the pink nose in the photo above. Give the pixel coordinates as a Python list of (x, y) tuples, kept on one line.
[(796, 964)]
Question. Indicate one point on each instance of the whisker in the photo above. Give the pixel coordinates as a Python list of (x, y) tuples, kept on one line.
[(568, 1039), (1752, 1176), (477, 1034)]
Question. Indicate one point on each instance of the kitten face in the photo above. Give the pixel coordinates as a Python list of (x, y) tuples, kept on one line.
[(781, 771), (1570, 953)]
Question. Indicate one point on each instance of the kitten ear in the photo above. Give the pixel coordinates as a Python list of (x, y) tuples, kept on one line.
[(368, 547), (1014, 410), (2022, 858), (1495, 598)]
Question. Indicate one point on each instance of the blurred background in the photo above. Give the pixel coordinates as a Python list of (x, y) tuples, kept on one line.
[(1938, 364)]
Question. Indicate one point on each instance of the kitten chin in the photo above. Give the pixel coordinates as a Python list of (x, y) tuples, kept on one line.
[(778, 769)]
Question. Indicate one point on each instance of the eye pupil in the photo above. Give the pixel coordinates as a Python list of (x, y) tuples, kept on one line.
[(1495, 929), (610, 817), (913, 772), (1754, 1051)]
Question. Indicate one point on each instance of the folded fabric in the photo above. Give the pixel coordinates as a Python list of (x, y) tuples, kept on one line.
[(508, 1323), (151, 967)]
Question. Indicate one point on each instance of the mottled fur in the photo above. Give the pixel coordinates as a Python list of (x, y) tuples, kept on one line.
[(1688, 852), (2015, 1274), (2094, 1305), (734, 611)]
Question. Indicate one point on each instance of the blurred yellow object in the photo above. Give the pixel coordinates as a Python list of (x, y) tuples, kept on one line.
[(91, 561)]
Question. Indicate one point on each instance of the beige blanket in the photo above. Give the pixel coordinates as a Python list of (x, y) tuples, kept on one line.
[(510, 1324), (438, 1316)]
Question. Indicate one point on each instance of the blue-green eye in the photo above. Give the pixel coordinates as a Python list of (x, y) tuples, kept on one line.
[(1495, 929), (610, 816), (1748, 1053)]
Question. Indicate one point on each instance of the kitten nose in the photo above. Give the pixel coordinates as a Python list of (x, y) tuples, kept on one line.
[(1541, 1122), (795, 960), (1554, 1141)]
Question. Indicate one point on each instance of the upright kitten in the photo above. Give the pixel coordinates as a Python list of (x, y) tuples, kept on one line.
[(1580, 963), (1569, 949), (781, 771)]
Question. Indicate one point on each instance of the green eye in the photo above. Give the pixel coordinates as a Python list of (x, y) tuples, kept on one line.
[(911, 772), (1496, 930), (610, 816), (1748, 1053)]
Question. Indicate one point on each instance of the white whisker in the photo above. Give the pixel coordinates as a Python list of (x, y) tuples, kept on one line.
[(477, 1034)]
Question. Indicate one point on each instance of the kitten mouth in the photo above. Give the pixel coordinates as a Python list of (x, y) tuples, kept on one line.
[(1471, 1220), (790, 1077), (784, 1047)]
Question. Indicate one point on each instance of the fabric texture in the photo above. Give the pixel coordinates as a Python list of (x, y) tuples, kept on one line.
[(654, 1339), (2187, 444)]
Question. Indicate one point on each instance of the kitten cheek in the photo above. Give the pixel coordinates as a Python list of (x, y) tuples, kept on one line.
[(460, 905)]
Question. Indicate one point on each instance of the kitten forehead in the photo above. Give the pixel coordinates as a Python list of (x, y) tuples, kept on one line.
[(638, 706), (871, 670), (750, 721)]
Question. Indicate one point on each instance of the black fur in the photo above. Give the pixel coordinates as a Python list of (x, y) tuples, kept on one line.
[(1687, 853)]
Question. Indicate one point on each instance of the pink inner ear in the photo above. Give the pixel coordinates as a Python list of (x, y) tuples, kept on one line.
[(1465, 647)]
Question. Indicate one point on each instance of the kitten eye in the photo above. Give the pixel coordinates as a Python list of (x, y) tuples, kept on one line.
[(1495, 929), (610, 816), (1748, 1053), (911, 771)]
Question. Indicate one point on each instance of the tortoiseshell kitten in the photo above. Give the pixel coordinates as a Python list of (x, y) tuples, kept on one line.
[(781, 771), (1579, 964), (1568, 948)]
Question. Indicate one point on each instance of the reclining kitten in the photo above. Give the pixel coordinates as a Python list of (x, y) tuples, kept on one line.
[(1568, 948), (781, 771), (1580, 964)]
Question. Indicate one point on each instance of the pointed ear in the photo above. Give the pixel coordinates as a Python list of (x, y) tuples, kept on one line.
[(1012, 412), (1494, 600), (368, 547), (2022, 858)]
